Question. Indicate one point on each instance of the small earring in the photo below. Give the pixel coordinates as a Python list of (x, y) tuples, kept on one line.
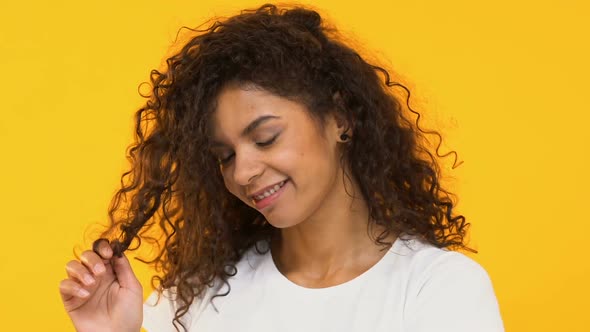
[(344, 137)]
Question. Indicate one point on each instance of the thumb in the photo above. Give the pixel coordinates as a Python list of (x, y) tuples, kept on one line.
[(124, 273)]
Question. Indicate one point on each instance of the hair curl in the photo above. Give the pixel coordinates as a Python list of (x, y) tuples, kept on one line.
[(175, 186)]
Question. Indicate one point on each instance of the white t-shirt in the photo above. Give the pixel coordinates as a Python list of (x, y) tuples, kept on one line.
[(415, 287)]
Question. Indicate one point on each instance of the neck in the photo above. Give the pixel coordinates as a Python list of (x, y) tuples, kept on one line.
[(335, 239)]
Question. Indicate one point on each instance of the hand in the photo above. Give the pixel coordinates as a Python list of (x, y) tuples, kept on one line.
[(102, 293)]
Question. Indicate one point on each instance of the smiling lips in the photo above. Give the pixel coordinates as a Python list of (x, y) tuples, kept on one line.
[(267, 192)]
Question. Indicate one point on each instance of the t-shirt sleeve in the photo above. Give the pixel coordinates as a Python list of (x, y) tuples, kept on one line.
[(453, 294), (158, 313)]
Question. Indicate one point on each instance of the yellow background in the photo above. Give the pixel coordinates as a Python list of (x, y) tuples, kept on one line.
[(505, 81)]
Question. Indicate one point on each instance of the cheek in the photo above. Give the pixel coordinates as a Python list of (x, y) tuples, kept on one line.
[(306, 161), (288, 161)]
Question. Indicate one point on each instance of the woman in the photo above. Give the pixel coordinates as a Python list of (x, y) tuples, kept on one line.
[(290, 192)]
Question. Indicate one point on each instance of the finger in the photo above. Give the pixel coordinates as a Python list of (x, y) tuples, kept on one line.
[(102, 248), (69, 289), (124, 272), (93, 262), (118, 248), (77, 271)]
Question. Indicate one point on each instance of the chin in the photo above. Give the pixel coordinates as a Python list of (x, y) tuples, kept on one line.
[(281, 223)]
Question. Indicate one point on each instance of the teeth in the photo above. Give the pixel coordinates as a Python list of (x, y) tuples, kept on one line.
[(270, 191)]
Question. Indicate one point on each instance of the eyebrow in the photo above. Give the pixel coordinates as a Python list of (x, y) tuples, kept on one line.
[(250, 128)]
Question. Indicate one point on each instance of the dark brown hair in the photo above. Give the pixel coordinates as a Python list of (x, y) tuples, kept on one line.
[(175, 186)]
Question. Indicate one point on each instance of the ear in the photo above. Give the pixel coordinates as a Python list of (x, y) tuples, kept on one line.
[(343, 123)]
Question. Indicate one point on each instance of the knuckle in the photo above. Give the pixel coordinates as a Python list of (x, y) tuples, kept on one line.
[(71, 265), (74, 268), (66, 285), (88, 256)]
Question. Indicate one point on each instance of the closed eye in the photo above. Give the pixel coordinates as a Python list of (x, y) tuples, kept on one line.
[(269, 142), (226, 160)]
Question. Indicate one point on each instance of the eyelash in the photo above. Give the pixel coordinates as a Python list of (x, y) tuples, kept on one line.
[(260, 144)]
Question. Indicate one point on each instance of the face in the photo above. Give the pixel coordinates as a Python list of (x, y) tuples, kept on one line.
[(273, 155)]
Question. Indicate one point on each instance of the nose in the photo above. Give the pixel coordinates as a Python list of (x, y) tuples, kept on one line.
[(246, 167)]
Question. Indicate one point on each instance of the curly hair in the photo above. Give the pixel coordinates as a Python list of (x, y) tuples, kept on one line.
[(175, 186)]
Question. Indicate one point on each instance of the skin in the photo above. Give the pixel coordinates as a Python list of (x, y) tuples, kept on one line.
[(102, 293), (322, 239)]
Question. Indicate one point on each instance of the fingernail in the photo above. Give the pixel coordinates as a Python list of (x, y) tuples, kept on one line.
[(99, 268), (83, 293), (88, 280)]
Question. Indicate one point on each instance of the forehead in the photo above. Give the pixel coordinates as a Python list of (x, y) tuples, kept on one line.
[(241, 101), (237, 106)]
